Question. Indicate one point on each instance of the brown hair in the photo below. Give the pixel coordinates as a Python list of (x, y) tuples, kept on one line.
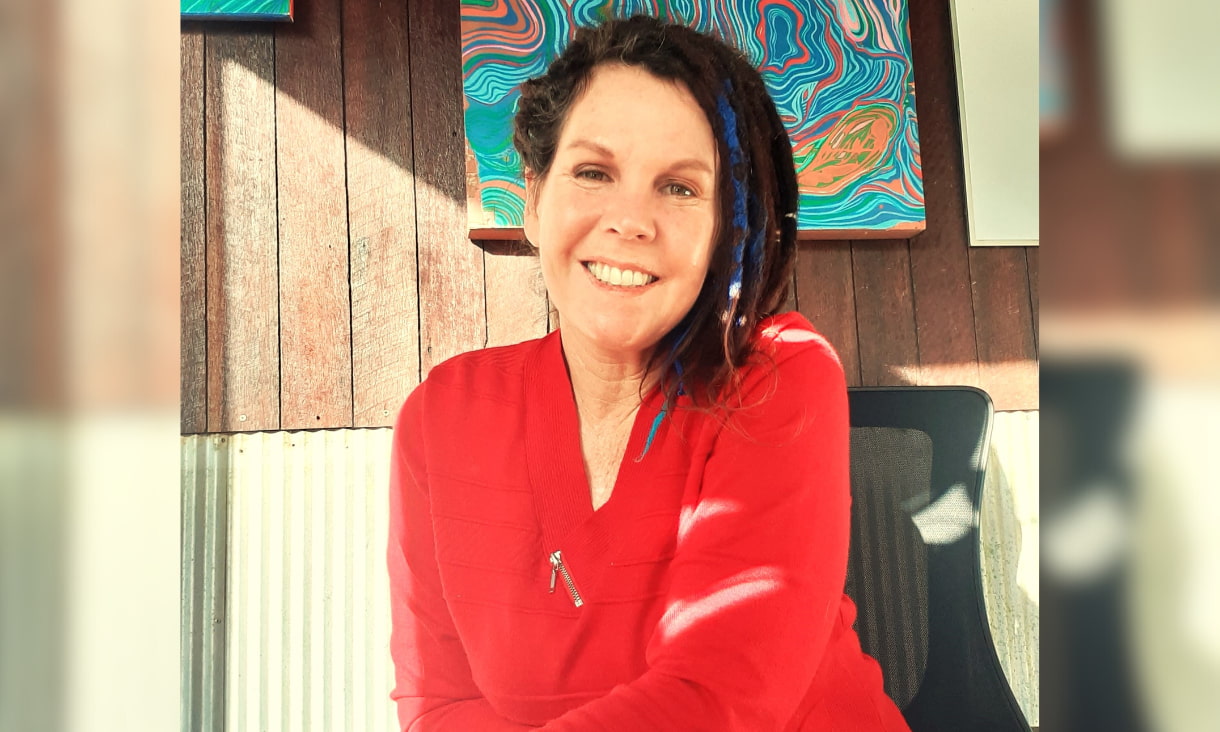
[(757, 192)]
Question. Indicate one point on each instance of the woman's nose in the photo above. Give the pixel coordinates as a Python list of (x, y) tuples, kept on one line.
[(630, 215)]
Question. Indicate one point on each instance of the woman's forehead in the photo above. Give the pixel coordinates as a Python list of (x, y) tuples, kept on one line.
[(629, 106)]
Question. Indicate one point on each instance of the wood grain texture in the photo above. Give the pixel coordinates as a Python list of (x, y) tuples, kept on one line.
[(381, 210), (193, 369), (885, 313), (315, 313), (516, 294), (825, 293), (242, 302), (1008, 368), (790, 301), (940, 267), (1031, 266), (451, 278)]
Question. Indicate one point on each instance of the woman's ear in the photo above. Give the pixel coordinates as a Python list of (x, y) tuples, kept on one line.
[(530, 227)]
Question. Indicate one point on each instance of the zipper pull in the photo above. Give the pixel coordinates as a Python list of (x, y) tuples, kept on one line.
[(558, 568)]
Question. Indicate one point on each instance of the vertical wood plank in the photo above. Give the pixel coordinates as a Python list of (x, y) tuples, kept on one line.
[(36, 257), (451, 277), (315, 314), (790, 302), (825, 294), (381, 211), (516, 294), (885, 313), (940, 266), (242, 302), (193, 310), (1008, 368), (1031, 266)]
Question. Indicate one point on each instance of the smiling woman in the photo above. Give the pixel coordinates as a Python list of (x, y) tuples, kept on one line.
[(640, 521), (624, 219)]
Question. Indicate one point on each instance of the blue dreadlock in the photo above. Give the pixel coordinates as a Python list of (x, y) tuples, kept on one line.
[(758, 235), (656, 422), (747, 237), (741, 222)]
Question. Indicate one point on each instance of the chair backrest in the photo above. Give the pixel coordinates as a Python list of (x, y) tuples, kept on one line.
[(918, 455)]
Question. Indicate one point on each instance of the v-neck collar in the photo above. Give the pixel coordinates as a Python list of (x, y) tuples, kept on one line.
[(553, 455)]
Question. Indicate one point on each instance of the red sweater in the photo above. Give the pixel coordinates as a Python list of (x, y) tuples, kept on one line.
[(706, 594)]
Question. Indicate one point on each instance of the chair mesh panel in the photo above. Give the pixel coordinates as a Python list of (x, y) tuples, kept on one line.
[(887, 568)]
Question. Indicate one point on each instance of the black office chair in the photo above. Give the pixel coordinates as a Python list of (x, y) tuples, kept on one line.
[(918, 455)]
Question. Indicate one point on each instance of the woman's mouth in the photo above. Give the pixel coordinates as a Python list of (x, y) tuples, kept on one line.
[(609, 275)]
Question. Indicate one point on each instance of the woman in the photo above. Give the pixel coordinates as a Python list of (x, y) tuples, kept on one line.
[(639, 522)]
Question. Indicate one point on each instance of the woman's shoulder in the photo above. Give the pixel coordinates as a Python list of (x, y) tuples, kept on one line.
[(496, 374), (485, 362), (793, 380), (789, 342)]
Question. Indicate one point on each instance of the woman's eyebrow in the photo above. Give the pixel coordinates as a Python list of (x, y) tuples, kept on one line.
[(691, 164), (600, 149), (591, 145)]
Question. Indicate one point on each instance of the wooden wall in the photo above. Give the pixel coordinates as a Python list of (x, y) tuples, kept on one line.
[(326, 269)]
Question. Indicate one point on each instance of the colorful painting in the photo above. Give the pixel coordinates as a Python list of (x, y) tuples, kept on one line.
[(237, 9), (839, 71)]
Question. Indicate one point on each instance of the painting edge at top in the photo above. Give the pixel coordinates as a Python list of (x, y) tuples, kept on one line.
[(840, 72), (281, 10)]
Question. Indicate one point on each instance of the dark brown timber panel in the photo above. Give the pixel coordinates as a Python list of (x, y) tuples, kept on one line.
[(1031, 265), (940, 267), (381, 210), (243, 317), (885, 315), (825, 294), (193, 312), (1004, 326), (451, 278), (315, 315)]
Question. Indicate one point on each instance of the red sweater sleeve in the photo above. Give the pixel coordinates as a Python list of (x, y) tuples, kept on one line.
[(757, 579), (433, 689)]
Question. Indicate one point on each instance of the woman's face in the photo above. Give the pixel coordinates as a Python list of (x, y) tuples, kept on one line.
[(625, 218)]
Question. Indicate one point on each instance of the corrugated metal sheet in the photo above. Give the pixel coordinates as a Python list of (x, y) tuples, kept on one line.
[(307, 616), (205, 473), (308, 593), (1009, 530)]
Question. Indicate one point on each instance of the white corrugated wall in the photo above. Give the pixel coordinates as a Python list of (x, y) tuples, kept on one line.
[(307, 606), (307, 596)]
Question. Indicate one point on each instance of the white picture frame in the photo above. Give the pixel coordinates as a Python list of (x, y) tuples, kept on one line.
[(996, 50)]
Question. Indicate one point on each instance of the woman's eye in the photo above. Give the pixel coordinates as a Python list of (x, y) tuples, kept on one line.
[(678, 189), (591, 174)]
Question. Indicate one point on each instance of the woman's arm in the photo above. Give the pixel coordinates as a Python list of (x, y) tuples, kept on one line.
[(433, 689), (757, 580)]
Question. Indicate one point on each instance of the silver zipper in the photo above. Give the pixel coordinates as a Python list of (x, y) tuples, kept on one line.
[(558, 568)]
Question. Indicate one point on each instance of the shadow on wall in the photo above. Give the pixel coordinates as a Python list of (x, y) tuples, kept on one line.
[(419, 56)]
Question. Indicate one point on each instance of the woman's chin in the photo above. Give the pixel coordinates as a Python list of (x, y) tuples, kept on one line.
[(625, 339)]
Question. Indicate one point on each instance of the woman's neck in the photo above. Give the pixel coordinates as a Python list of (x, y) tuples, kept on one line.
[(606, 387)]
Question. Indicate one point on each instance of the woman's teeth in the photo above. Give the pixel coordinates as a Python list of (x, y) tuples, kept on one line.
[(621, 277)]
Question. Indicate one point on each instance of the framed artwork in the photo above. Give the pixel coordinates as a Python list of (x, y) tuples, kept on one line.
[(839, 71), (237, 9)]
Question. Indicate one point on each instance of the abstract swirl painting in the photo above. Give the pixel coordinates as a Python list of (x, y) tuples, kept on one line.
[(838, 70), (237, 9)]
